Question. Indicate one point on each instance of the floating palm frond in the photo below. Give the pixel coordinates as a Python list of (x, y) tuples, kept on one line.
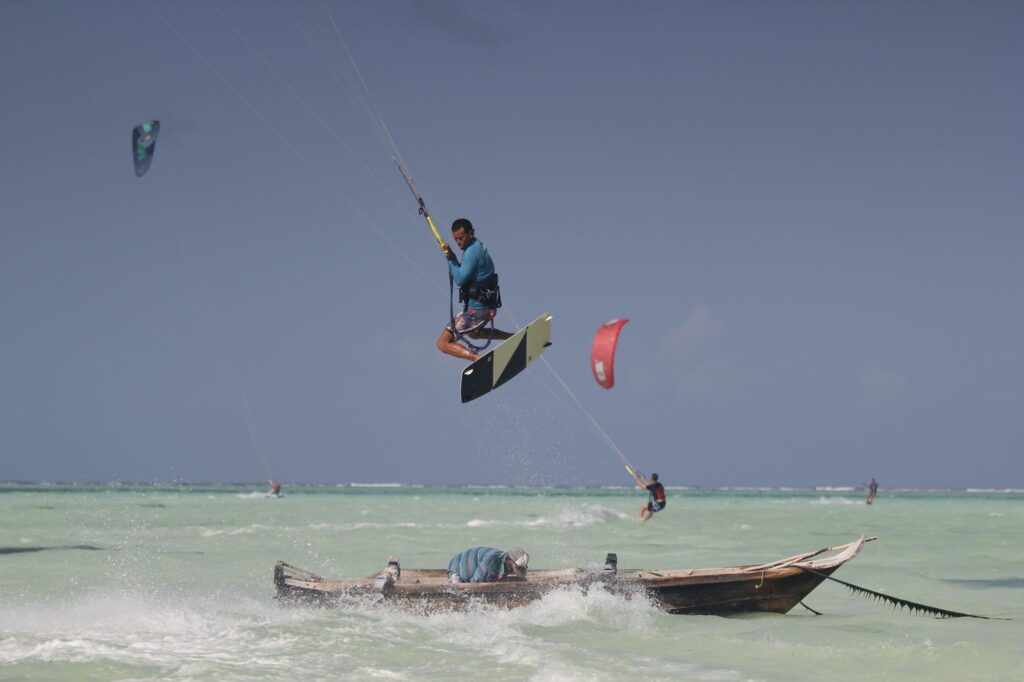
[(911, 606)]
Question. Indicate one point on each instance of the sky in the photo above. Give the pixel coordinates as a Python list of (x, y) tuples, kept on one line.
[(810, 212)]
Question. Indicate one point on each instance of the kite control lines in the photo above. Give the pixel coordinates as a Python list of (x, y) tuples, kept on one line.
[(448, 253)]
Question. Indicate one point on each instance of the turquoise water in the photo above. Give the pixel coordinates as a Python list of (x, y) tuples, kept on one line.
[(174, 582)]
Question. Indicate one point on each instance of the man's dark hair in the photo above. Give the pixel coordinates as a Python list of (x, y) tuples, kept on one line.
[(654, 477), (462, 224)]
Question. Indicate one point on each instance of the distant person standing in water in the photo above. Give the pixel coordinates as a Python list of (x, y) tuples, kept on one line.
[(872, 490), (656, 499)]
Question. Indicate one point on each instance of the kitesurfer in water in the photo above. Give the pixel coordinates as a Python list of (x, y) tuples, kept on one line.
[(478, 291), (656, 501), (872, 490)]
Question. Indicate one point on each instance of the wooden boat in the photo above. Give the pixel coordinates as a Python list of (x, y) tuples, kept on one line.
[(775, 587)]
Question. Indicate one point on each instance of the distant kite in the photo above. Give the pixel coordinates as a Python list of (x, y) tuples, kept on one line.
[(144, 145), (602, 353)]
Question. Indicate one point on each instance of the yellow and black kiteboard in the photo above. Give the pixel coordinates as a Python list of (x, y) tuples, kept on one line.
[(506, 360)]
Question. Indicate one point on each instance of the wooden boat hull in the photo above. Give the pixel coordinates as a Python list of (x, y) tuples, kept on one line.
[(775, 593), (775, 587)]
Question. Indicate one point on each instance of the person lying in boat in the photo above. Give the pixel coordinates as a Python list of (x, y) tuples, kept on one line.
[(656, 495), (487, 565)]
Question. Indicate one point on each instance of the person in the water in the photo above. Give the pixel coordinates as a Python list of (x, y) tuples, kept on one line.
[(656, 495)]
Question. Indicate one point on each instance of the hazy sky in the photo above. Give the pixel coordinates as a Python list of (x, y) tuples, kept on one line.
[(811, 213)]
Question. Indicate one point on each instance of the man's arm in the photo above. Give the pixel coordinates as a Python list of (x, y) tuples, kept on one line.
[(462, 273)]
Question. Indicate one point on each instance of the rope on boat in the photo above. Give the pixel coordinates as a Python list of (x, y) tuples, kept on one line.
[(912, 606), (816, 613), (799, 558)]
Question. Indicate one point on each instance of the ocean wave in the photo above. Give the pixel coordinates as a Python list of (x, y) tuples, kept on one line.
[(156, 633), (503, 636), (137, 636), (565, 518), (578, 516), (364, 525), (1001, 491)]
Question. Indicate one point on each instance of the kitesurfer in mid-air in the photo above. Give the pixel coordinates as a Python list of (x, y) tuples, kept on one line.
[(656, 501), (478, 291)]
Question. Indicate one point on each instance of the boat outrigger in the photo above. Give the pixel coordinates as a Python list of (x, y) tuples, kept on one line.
[(774, 587)]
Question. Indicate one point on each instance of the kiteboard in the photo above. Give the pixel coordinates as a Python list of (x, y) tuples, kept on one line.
[(508, 359)]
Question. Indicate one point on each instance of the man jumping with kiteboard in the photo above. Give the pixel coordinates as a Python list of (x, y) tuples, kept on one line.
[(478, 292)]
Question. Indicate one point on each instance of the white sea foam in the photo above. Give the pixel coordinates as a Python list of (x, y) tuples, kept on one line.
[(502, 637), (1004, 491), (835, 501), (578, 516), (245, 530), (564, 518), (363, 525), (255, 495), (147, 631)]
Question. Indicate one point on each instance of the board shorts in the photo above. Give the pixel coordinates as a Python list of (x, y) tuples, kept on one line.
[(470, 320), (653, 506)]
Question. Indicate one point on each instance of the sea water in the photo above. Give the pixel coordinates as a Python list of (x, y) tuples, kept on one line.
[(111, 582)]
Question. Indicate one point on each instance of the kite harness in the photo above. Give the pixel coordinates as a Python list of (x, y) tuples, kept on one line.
[(486, 291)]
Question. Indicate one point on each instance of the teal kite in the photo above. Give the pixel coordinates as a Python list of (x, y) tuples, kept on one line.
[(144, 145)]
